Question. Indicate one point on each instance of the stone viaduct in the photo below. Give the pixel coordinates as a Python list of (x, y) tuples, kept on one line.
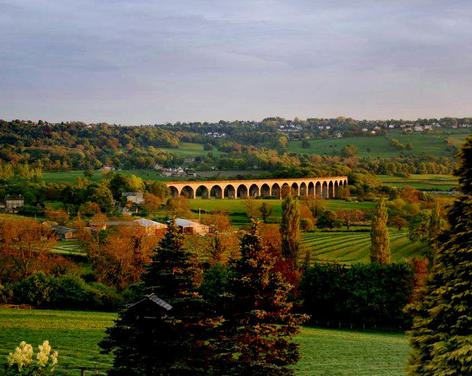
[(326, 187)]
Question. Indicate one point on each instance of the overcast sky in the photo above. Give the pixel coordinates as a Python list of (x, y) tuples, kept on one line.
[(149, 61)]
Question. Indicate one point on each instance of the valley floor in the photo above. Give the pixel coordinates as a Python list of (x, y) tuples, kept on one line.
[(75, 335)]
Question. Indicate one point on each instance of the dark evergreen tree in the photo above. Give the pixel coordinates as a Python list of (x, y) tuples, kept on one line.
[(290, 231), (164, 342), (441, 335), (380, 242), (256, 336)]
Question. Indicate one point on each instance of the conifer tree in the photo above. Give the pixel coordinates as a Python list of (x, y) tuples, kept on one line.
[(380, 242), (256, 337), (441, 335), (290, 231), (174, 342)]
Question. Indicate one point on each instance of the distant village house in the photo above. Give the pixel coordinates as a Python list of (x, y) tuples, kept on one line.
[(12, 203)]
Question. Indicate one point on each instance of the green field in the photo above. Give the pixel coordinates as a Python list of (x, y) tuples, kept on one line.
[(68, 248), (75, 335), (424, 182), (435, 143), (353, 247), (189, 150), (237, 209)]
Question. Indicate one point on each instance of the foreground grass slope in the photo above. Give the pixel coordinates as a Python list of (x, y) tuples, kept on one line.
[(75, 335)]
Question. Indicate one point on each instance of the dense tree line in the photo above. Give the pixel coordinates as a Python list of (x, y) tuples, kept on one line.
[(359, 295), (245, 145)]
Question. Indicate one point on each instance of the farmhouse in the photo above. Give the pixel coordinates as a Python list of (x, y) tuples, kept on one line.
[(150, 226), (13, 203), (191, 227), (134, 197), (65, 233)]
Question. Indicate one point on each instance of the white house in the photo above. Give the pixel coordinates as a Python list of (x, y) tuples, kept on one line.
[(134, 197), (191, 227)]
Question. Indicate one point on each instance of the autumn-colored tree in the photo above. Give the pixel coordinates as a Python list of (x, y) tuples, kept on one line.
[(102, 196), (159, 189), (290, 230), (89, 209), (272, 240), (152, 203), (223, 241), (175, 340), (59, 215), (307, 220), (410, 194), (123, 255), (24, 247), (350, 216), (252, 210), (316, 206), (399, 222), (256, 336), (134, 183), (178, 206), (379, 237), (420, 268)]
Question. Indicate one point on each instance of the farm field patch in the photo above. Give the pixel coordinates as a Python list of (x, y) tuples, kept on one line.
[(427, 182), (353, 247), (236, 209), (435, 143)]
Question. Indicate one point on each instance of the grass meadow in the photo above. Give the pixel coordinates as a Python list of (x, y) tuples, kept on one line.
[(236, 209), (425, 182), (435, 143), (75, 335)]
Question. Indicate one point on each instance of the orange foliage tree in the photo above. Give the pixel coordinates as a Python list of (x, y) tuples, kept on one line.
[(121, 258), (223, 239), (24, 247)]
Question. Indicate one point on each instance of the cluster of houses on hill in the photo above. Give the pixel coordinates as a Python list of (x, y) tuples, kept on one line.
[(176, 171)]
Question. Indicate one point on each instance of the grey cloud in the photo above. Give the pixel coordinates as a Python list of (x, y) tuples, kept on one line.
[(147, 61)]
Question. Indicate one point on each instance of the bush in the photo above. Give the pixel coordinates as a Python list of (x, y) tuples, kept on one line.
[(361, 295), (6, 294), (66, 292), (36, 290), (307, 224)]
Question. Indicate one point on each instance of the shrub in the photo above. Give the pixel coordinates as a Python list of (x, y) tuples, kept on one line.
[(36, 290), (67, 292)]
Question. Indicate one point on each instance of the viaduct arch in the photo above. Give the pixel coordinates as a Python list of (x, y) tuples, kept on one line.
[(325, 187)]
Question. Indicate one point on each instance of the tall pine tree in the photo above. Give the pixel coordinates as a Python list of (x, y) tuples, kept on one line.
[(290, 231), (256, 336), (160, 342), (441, 335), (380, 242)]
